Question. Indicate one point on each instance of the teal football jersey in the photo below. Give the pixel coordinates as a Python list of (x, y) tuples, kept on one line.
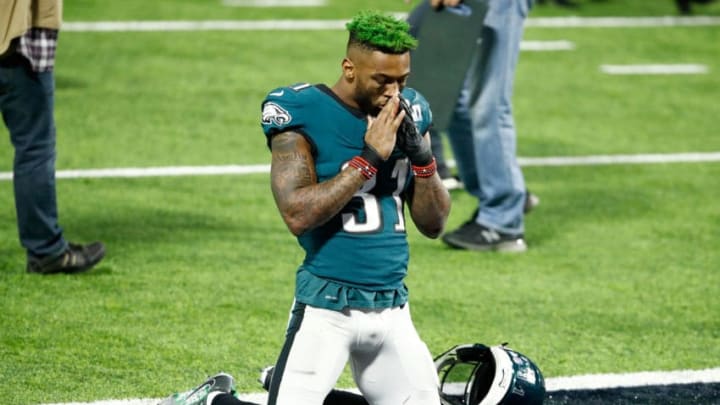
[(365, 245)]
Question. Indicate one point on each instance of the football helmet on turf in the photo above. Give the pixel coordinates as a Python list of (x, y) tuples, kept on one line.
[(475, 374)]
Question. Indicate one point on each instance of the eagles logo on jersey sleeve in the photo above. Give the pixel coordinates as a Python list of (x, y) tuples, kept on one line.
[(282, 110)]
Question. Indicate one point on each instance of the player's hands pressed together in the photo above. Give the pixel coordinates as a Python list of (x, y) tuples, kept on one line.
[(410, 141), (380, 136)]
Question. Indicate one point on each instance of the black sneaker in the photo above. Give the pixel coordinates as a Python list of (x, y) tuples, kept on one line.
[(473, 236), (531, 201), (221, 383), (75, 259)]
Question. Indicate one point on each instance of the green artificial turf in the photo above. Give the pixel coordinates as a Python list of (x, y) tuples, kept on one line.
[(621, 274)]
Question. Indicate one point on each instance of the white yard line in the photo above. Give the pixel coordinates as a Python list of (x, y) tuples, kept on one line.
[(627, 22), (627, 380), (621, 159), (171, 171), (168, 171), (207, 25), (259, 25), (308, 25), (274, 3), (560, 45), (655, 69), (582, 382)]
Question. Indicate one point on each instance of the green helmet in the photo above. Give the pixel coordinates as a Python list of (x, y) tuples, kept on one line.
[(475, 374)]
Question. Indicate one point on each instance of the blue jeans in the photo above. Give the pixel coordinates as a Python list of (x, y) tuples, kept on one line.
[(27, 102), (482, 132)]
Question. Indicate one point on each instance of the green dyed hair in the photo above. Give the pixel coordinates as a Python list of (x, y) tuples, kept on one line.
[(382, 32)]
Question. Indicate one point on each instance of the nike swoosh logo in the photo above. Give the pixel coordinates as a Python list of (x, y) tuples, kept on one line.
[(278, 93)]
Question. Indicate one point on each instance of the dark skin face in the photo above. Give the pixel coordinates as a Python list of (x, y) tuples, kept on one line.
[(371, 78)]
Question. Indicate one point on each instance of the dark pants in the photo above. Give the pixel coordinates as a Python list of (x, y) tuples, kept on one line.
[(27, 102)]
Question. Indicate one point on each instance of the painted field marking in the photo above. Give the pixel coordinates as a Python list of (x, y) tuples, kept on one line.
[(274, 3), (655, 69), (626, 22), (168, 171), (311, 25), (629, 380), (172, 171), (692, 157), (582, 382), (560, 45), (207, 25)]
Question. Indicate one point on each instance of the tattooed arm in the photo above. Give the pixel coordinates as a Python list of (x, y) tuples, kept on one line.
[(303, 202)]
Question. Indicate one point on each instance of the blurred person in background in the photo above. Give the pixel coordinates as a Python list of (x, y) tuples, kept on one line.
[(483, 136), (28, 40)]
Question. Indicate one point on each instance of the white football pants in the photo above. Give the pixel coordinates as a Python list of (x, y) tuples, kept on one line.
[(389, 362)]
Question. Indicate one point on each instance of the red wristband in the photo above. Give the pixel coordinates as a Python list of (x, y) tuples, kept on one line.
[(365, 168), (425, 171)]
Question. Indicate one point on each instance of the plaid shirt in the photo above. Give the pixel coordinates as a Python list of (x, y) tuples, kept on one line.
[(38, 46)]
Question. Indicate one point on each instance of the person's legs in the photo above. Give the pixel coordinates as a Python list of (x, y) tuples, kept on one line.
[(462, 143), (502, 187), (27, 103), (27, 108), (482, 134)]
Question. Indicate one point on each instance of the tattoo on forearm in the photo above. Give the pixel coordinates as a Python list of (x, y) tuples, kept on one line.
[(286, 157), (291, 166), (295, 187)]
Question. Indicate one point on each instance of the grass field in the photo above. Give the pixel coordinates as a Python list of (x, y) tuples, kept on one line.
[(621, 274)]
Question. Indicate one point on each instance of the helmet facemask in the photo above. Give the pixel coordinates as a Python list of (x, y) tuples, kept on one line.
[(475, 374)]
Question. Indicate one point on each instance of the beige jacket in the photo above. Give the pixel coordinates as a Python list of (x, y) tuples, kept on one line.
[(17, 16)]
